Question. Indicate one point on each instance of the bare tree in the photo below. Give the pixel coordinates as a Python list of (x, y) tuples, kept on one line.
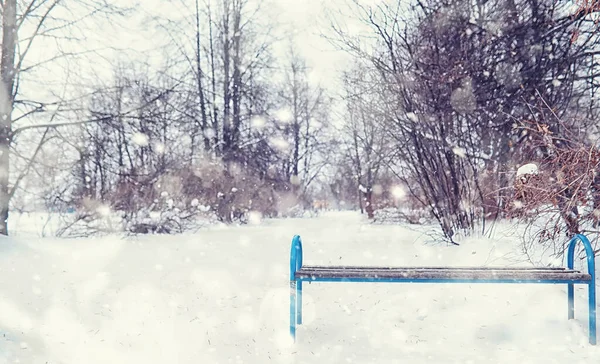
[(7, 95), (370, 146), (556, 193), (456, 80), (23, 24), (226, 53), (301, 121)]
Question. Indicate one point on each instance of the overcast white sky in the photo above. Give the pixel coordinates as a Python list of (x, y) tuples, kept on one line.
[(305, 20)]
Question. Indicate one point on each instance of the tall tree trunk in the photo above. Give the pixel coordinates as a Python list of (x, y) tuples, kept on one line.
[(215, 113), (199, 75), (369, 194), (358, 169), (7, 69), (369, 204), (226, 81), (237, 78), (296, 121)]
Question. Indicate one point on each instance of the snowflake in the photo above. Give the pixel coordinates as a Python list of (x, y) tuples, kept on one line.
[(284, 115), (461, 152), (398, 192), (140, 139)]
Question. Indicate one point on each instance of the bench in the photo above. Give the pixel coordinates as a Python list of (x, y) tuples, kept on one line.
[(300, 273)]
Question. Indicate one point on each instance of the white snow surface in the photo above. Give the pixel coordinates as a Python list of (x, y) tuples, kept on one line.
[(528, 168), (222, 296)]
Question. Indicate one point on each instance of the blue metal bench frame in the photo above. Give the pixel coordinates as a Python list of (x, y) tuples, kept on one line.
[(300, 273)]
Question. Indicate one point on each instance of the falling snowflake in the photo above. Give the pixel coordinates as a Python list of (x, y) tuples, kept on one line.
[(254, 217), (461, 152), (398, 192), (258, 122), (463, 99), (140, 139), (159, 148), (378, 189), (508, 75), (295, 180), (280, 143), (412, 117), (209, 133), (103, 210), (284, 115)]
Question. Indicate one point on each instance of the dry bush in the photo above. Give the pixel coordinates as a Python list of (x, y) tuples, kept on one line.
[(587, 7), (565, 185), (390, 209), (393, 215), (227, 194), (493, 195), (563, 197), (180, 199), (92, 217), (230, 193)]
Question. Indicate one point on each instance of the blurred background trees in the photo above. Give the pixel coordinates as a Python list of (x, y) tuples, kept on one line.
[(439, 105)]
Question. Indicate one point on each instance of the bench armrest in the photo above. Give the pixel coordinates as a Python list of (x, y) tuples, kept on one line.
[(589, 252), (295, 257)]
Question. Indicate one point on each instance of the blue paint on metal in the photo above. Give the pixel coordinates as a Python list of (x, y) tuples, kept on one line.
[(299, 285), (591, 265), (571, 300), (295, 286), (295, 263), (299, 305), (293, 309), (296, 283)]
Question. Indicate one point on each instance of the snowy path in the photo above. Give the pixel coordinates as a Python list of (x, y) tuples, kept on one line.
[(221, 296)]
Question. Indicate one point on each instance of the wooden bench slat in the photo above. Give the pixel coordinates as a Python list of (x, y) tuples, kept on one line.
[(441, 273)]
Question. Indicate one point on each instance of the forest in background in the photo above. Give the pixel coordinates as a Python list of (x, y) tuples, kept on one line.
[(441, 103)]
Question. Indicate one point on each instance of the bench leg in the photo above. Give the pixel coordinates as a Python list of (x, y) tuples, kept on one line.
[(571, 299), (293, 309), (592, 311), (299, 303)]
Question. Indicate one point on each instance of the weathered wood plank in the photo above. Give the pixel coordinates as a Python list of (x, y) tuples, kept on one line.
[(440, 273)]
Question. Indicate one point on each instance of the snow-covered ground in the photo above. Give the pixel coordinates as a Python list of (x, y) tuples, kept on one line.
[(222, 296)]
